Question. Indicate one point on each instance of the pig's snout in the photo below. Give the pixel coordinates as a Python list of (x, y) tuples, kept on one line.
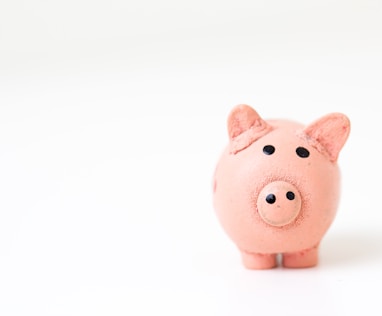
[(279, 203)]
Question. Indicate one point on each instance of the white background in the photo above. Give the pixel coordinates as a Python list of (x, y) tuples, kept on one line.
[(112, 117)]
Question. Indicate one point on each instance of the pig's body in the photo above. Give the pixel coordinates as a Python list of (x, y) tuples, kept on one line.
[(276, 186)]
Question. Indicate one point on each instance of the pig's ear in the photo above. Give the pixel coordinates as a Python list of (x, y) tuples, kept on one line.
[(328, 134), (245, 126)]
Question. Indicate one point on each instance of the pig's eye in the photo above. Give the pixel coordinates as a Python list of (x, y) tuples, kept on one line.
[(302, 152), (268, 150)]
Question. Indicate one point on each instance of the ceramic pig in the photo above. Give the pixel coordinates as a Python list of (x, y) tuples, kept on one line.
[(276, 186)]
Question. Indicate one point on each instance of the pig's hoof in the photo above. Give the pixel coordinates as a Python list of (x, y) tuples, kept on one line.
[(258, 261), (302, 259)]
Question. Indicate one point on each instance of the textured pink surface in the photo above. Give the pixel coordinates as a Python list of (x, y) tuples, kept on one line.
[(276, 186)]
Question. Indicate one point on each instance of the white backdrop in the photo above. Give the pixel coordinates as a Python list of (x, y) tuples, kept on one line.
[(112, 117)]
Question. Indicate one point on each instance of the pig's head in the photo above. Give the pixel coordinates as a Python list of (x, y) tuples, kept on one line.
[(278, 174)]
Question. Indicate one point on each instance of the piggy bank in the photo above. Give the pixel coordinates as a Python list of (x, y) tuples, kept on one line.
[(276, 186)]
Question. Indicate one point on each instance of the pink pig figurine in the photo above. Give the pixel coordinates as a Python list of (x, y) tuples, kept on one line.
[(276, 186)]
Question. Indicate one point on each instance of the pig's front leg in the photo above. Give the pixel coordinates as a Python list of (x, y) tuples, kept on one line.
[(301, 259), (257, 261)]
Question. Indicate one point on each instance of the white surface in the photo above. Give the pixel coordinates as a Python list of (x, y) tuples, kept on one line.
[(112, 117)]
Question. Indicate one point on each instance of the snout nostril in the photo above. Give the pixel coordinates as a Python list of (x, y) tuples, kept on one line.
[(271, 198), (290, 195)]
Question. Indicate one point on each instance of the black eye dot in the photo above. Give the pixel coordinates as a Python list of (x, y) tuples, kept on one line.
[(268, 150), (302, 152), (290, 195), (271, 198)]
